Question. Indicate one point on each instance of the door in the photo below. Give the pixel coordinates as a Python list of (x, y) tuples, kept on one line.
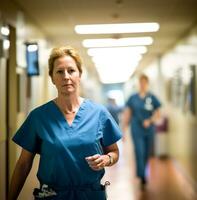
[(3, 128)]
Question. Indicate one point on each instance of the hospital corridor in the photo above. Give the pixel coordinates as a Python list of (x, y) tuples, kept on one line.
[(98, 100)]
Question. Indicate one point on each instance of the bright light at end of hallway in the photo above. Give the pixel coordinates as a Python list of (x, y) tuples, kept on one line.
[(111, 79), (117, 95), (117, 28), (116, 65), (115, 73), (111, 42)]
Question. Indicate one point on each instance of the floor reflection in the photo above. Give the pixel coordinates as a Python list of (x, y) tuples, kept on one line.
[(165, 181)]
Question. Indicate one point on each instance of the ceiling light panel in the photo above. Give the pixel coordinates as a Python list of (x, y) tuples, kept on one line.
[(118, 75), (117, 28), (115, 71), (110, 42), (116, 51), (117, 59)]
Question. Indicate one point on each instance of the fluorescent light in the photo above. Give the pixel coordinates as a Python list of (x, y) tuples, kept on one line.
[(5, 30), (117, 28), (118, 75), (116, 71), (6, 44), (118, 59), (120, 65), (110, 42), (124, 65), (116, 51)]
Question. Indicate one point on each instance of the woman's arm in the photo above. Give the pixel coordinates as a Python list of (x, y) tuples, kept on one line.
[(156, 116), (21, 171), (98, 162), (112, 152), (153, 119)]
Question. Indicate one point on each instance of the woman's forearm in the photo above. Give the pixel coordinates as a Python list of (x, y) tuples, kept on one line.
[(112, 152), (21, 171), (18, 179), (156, 115)]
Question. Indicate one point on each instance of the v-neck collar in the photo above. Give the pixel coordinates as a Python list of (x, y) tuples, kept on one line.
[(144, 97), (77, 115)]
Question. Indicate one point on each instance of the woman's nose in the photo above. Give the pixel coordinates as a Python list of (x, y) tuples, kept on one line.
[(66, 75)]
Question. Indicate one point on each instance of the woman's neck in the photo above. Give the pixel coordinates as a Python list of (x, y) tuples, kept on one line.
[(143, 93), (69, 104)]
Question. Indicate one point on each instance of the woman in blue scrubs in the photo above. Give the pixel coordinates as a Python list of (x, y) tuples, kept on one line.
[(142, 111), (75, 137)]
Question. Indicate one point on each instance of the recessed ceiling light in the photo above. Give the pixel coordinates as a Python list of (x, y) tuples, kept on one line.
[(116, 76), (110, 42), (121, 67), (117, 28), (5, 30), (6, 44), (107, 59), (116, 51)]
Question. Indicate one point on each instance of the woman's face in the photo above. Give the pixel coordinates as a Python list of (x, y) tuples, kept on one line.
[(66, 76)]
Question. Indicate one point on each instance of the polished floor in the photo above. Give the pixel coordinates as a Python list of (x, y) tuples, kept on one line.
[(165, 182)]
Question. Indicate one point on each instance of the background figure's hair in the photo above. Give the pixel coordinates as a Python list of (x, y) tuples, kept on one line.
[(144, 76)]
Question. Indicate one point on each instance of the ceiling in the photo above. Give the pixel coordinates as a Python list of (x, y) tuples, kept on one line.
[(57, 19)]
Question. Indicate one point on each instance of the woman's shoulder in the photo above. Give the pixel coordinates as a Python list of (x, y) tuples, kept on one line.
[(133, 96), (151, 94), (93, 104), (42, 108)]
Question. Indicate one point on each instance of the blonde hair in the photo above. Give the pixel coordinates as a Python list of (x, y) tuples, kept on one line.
[(64, 51)]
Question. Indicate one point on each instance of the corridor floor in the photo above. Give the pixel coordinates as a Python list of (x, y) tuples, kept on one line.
[(165, 182)]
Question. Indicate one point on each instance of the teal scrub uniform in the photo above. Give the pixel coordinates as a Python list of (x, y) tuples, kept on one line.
[(63, 147), (141, 109)]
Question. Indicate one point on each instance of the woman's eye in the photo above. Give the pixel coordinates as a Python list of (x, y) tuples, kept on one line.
[(60, 72), (71, 71)]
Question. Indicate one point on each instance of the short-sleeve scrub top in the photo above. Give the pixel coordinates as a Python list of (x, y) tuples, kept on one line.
[(63, 147), (142, 108)]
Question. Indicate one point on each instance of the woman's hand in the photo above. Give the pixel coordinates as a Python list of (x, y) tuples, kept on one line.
[(146, 123), (97, 161)]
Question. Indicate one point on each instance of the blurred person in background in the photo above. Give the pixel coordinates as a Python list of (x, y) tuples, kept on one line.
[(141, 113), (75, 137), (113, 108)]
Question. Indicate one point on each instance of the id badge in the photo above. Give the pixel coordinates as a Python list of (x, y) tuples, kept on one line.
[(148, 104)]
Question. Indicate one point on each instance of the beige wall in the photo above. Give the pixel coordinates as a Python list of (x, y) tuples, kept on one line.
[(21, 30), (182, 123)]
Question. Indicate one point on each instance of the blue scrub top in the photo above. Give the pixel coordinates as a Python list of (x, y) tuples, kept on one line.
[(63, 147), (142, 108)]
